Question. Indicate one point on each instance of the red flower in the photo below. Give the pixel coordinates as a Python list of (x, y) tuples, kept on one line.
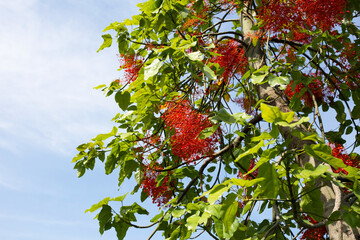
[(338, 151), (316, 87), (161, 194), (188, 124), (131, 64), (315, 233), (232, 58), (299, 15)]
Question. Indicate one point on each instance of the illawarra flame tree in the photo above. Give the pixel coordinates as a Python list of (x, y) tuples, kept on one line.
[(231, 108)]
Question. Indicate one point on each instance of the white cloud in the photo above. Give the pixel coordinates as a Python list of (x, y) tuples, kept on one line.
[(48, 69)]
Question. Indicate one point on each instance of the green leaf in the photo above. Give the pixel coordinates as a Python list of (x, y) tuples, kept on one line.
[(230, 214), (252, 150), (224, 116), (247, 207), (157, 217), (136, 208), (98, 205), (100, 86), (119, 198), (207, 132), (110, 163), (176, 213), (210, 74), (352, 218), (214, 210), (219, 228), (195, 56), (281, 81), (104, 217), (80, 171), (192, 222), (246, 183), (266, 156), (217, 192), (102, 137), (340, 110), (306, 174), (241, 117), (175, 233), (258, 79), (82, 147), (323, 153), (152, 69), (120, 228), (107, 42), (310, 136), (271, 114), (312, 203), (270, 186), (123, 99)]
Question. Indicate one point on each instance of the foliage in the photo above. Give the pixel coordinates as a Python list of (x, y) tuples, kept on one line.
[(227, 105)]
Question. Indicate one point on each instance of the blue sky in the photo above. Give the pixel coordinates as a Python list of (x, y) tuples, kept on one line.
[(48, 68)]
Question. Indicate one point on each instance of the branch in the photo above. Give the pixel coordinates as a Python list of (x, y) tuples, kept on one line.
[(212, 235), (277, 221)]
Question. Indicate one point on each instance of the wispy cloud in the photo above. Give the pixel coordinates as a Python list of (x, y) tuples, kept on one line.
[(48, 68)]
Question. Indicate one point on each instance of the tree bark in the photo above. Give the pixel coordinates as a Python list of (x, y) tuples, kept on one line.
[(331, 195)]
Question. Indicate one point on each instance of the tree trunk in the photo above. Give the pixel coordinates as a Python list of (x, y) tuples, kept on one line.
[(331, 195)]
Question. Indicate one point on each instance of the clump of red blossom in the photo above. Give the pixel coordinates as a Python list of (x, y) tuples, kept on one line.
[(187, 125), (232, 58), (298, 15), (131, 64), (338, 151), (160, 194), (315, 233), (316, 87)]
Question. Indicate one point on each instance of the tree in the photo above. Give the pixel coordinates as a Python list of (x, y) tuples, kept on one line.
[(227, 105)]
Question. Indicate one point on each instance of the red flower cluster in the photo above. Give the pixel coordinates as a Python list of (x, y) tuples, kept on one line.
[(313, 234), (131, 64), (187, 124), (296, 15), (316, 87), (338, 151), (161, 194), (232, 58)]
